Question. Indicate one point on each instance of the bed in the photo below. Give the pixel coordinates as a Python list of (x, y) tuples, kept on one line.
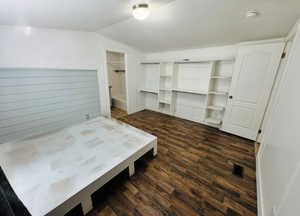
[(53, 173)]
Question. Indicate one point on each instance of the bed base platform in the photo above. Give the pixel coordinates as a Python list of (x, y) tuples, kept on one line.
[(55, 172), (84, 196)]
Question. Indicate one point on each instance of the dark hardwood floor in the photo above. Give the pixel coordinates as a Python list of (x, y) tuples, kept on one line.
[(191, 175), (117, 113)]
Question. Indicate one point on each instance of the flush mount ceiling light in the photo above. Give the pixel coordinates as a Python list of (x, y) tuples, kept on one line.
[(140, 9), (27, 30), (252, 13)]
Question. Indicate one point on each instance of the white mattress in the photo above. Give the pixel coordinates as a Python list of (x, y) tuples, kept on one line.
[(47, 170)]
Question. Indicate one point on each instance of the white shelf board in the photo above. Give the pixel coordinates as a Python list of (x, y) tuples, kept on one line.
[(218, 92), (145, 63), (214, 121), (191, 91), (117, 63), (217, 108), (194, 62), (220, 77), (164, 101), (149, 91), (204, 60), (165, 89), (166, 76)]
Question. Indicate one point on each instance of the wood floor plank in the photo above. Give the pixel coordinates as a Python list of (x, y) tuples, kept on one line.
[(117, 113), (191, 175), (107, 211)]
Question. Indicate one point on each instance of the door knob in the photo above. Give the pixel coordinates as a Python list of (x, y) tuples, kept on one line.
[(230, 97)]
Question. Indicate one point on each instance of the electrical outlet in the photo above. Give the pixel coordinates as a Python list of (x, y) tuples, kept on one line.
[(87, 116), (274, 211)]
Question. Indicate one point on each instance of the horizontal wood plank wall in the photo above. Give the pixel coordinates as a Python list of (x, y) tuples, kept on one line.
[(35, 101)]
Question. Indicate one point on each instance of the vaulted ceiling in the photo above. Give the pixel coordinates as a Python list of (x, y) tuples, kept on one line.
[(173, 24)]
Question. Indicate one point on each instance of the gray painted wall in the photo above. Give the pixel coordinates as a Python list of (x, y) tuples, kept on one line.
[(34, 101)]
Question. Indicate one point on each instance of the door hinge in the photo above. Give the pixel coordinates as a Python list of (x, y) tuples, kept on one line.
[(283, 55), (259, 131)]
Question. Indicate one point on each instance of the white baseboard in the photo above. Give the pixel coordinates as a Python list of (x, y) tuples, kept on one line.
[(260, 204)]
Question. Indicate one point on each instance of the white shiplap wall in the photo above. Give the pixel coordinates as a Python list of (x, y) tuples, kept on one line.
[(34, 101)]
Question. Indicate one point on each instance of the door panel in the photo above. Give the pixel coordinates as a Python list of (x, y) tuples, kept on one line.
[(253, 78), (250, 77), (242, 116)]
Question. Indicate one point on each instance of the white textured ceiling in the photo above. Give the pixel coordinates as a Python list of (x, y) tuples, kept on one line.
[(172, 24), (86, 15), (202, 23)]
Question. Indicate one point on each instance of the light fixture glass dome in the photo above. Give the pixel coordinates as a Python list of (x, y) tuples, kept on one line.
[(141, 11)]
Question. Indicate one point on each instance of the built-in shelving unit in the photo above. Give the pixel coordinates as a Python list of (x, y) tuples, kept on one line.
[(165, 95), (150, 84), (219, 84), (194, 90)]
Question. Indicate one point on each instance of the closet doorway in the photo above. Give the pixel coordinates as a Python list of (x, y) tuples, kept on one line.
[(116, 69)]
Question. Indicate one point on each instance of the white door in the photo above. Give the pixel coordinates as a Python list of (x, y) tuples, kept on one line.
[(252, 81)]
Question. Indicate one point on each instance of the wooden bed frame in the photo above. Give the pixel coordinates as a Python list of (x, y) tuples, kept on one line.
[(53, 173)]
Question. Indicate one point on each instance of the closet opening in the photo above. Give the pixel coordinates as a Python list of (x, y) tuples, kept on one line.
[(116, 69)]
